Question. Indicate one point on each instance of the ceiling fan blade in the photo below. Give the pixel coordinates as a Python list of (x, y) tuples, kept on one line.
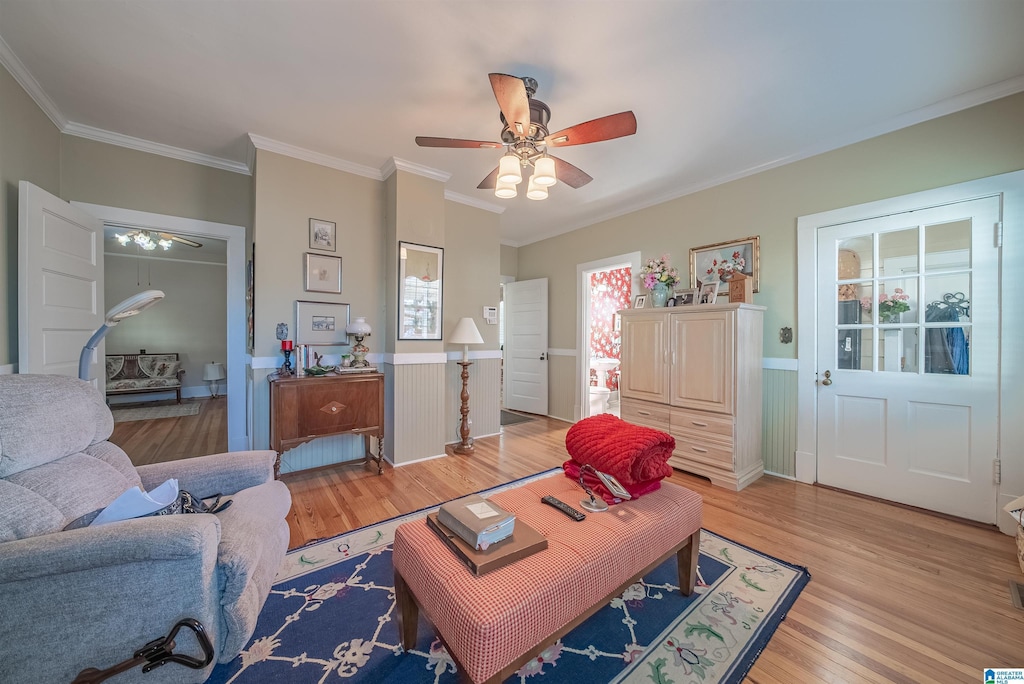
[(605, 128), (489, 182), (426, 141), (571, 175), (510, 92), (184, 241)]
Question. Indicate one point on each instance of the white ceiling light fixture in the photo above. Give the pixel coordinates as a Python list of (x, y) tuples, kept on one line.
[(536, 192), (504, 190), (544, 172), (150, 241), (509, 169)]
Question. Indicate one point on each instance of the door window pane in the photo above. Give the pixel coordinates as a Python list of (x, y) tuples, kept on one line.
[(948, 298), (897, 351), (947, 246), (897, 252), (854, 258), (897, 301)]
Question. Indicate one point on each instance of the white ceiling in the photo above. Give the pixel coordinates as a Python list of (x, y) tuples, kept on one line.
[(720, 88)]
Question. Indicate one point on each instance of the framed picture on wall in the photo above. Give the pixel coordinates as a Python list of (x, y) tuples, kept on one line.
[(321, 323), (711, 262), (323, 235), (323, 273)]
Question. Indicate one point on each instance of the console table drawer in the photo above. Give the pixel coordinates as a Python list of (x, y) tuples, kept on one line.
[(701, 422), (645, 413)]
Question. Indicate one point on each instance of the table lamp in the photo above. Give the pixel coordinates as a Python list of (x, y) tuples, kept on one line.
[(212, 373), (359, 329), (465, 333), (135, 304)]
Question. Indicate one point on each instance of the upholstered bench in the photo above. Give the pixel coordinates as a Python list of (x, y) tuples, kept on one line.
[(495, 623)]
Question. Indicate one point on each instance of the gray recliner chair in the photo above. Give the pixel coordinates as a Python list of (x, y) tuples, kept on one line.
[(90, 597)]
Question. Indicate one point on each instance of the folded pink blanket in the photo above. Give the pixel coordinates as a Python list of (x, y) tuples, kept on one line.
[(572, 471), (631, 453)]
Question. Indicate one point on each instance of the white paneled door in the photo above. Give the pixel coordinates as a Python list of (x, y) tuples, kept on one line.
[(908, 315), (60, 283), (526, 346)]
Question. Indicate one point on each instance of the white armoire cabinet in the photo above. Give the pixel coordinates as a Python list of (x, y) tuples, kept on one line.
[(695, 372)]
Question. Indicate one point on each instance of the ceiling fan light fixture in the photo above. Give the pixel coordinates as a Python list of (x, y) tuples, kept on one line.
[(544, 172), (503, 190), (509, 170), (536, 192)]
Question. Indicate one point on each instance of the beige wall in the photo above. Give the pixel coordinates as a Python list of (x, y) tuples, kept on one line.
[(471, 277), (29, 150), (975, 143), (288, 193), (100, 173), (189, 320), (509, 260)]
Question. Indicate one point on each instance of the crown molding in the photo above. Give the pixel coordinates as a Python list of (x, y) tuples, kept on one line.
[(395, 164), (132, 143), (277, 147), (31, 86), (945, 107), (473, 202)]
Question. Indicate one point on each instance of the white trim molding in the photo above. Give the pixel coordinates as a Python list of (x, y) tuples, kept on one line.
[(770, 363), (319, 158), (561, 352), (476, 355), (411, 359), (9, 369), (27, 81), (132, 143), (395, 164), (473, 202)]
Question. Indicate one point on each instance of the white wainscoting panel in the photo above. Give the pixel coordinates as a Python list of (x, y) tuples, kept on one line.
[(484, 398), (415, 411), (778, 422)]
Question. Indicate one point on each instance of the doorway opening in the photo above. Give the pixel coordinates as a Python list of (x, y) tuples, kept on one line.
[(605, 287)]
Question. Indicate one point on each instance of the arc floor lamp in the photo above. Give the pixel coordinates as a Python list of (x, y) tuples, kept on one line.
[(135, 304)]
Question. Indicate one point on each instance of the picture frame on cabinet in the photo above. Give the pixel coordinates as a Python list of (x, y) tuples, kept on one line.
[(686, 297), (710, 262), (639, 301), (708, 293)]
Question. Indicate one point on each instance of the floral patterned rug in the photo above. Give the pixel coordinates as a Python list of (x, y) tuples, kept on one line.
[(331, 615)]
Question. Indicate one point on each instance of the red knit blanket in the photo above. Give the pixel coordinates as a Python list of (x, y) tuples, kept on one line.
[(572, 471), (631, 453)]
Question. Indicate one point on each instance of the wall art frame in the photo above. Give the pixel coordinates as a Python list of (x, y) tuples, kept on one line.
[(323, 235), (703, 266), (420, 291), (321, 323), (322, 273)]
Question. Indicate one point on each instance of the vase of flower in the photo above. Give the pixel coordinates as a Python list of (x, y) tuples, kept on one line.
[(659, 277), (659, 294)]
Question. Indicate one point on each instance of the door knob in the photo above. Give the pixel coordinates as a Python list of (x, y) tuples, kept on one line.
[(828, 378), (543, 356)]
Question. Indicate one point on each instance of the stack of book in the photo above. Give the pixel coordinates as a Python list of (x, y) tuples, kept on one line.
[(484, 535)]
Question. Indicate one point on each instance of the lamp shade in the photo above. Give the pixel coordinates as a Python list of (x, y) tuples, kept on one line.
[(536, 192), (359, 327), (466, 333), (509, 170), (213, 371), (135, 304), (503, 190), (544, 172)]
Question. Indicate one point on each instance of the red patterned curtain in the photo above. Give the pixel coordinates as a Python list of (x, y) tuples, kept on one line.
[(609, 292)]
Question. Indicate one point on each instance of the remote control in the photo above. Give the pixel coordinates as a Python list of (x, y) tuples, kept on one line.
[(564, 507)]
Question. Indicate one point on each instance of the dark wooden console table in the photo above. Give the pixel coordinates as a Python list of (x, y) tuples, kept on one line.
[(305, 408)]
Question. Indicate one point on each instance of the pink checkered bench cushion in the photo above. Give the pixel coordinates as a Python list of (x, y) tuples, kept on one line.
[(487, 622)]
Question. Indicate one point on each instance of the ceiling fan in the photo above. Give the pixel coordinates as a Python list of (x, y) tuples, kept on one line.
[(525, 136), (150, 240)]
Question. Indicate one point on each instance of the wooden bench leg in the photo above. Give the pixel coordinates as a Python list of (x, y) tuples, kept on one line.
[(408, 613), (687, 560)]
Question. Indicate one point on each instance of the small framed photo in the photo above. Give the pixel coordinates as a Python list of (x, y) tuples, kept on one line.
[(671, 301), (686, 297), (321, 323), (639, 301), (323, 273), (323, 235), (708, 293)]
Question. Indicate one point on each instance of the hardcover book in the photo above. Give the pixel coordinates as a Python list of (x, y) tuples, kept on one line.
[(477, 521), (524, 541)]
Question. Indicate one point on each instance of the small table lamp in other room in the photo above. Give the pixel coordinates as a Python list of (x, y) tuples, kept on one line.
[(359, 329), (465, 334), (212, 373)]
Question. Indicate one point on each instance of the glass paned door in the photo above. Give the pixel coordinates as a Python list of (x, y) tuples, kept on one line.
[(908, 409)]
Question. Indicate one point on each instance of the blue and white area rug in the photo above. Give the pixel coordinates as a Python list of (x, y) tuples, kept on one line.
[(331, 617)]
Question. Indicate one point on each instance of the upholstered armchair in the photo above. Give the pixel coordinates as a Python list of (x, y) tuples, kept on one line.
[(89, 597)]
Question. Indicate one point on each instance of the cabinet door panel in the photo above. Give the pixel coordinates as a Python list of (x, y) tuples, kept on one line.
[(702, 368), (645, 359)]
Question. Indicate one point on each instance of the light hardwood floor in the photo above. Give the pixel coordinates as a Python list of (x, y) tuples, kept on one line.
[(896, 594)]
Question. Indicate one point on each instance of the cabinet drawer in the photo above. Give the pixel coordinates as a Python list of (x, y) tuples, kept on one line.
[(701, 422), (643, 413), (695, 449)]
